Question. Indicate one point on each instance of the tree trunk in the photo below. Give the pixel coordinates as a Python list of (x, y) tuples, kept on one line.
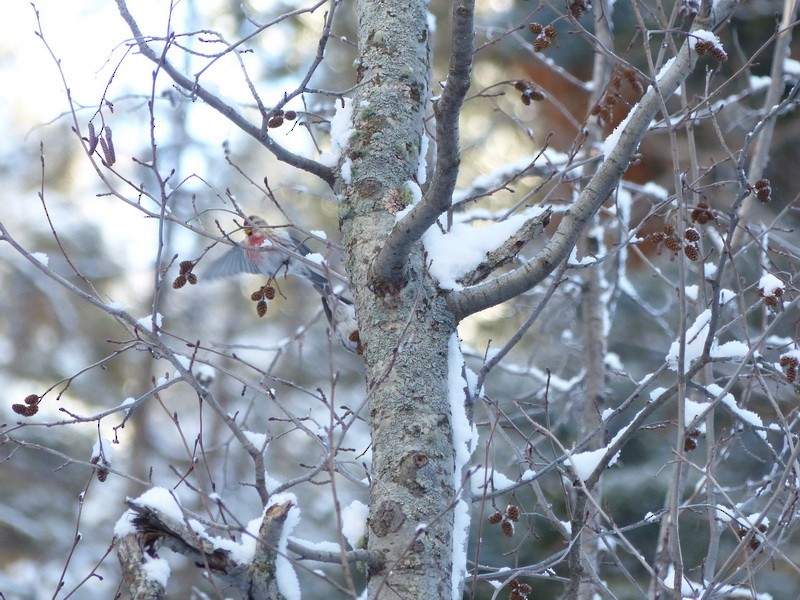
[(404, 326)]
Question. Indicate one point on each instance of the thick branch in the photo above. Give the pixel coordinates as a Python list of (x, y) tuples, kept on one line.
[(156, 529), (597, 191), (132, 560), (193, 87), (390, 265)]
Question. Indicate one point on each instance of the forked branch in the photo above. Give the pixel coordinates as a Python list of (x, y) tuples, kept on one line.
[(260, 134), (391, 261), (600, 187)]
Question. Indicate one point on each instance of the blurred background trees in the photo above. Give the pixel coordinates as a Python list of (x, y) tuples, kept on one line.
[(697, 219)]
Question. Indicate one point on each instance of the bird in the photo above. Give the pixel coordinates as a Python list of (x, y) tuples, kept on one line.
[(273, 253), (270, 253)]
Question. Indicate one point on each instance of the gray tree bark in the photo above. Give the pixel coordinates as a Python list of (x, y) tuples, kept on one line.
[(404, 323)]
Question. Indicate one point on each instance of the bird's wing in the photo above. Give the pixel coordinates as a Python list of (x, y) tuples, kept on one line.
[(307, 269), (233, 262), (297, 244)]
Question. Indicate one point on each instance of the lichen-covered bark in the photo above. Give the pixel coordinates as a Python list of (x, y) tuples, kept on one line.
[(404, 324)]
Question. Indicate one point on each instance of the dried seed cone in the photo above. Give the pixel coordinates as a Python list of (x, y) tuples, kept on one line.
[(356, 339), (508, 528), (719, 54), (673, 244), (691, 234), (702, 213), (541, 43), (261, 308), (25, 411), (513, 512), (703, 46), (790, 361), (537, 95)]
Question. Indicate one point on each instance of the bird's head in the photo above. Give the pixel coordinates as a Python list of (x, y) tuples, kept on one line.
[(255, 228)]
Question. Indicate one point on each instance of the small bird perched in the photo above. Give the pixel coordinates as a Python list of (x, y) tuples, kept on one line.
[(272, 254)]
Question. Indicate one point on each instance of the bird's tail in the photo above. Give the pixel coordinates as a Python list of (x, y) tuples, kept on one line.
[(341, 315), (320, 283)]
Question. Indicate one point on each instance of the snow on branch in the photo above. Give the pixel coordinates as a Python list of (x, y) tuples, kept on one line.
[(468, 254), (258, 564), (528, 166)]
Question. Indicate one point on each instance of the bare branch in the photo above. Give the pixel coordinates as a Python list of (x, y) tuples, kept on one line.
[(226, 110)]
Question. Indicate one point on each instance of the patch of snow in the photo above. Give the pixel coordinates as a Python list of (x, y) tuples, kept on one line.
[(146, 323), (769, 285), (354, 523), (156, 569), (695, 340), (465, 246), (341, 130), (163, 501)]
